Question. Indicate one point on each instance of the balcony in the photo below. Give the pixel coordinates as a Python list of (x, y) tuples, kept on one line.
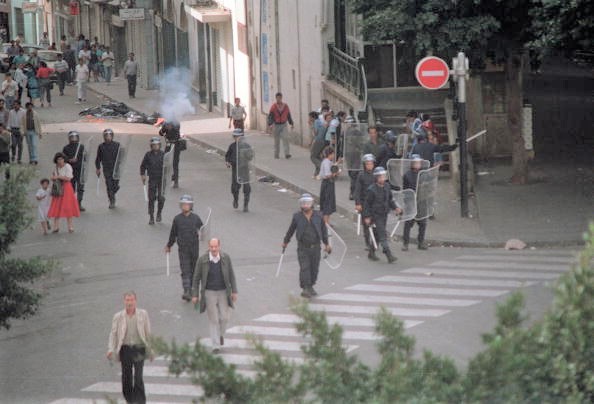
[(347, 71)]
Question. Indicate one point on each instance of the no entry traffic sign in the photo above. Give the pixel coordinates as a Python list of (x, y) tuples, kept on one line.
[(432, 72)]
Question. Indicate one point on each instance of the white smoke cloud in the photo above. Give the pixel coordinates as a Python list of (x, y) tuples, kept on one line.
[(176, 94)]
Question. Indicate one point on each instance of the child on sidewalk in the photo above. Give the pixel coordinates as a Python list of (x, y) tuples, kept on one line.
[(44, 199)]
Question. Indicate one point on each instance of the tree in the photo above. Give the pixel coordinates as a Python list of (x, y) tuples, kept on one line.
[(17, 299), (499, 30), (550, 361)]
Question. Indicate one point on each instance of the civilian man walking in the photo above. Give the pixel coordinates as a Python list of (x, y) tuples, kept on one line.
[(130, 71), (237, 115), (15, 116), (214, 286), (61, 68), (128, 342), (278, 117), (31, 128)]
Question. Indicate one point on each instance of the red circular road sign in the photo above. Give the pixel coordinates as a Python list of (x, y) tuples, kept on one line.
[(432, 72)]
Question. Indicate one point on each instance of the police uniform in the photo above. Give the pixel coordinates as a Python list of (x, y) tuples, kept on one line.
[(364, 181), (75, 151), (409, 181), (172, 135), (152, 164), (378, 203), (185, 230), (309, 234), (240, 170), (107, 154)]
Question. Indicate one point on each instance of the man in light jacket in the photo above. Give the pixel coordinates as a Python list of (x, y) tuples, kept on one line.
[(31, 128), (214, 287), (129, 343)]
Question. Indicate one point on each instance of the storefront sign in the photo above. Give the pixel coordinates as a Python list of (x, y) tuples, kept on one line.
[(28, 7), (131, 14), (74, 8)]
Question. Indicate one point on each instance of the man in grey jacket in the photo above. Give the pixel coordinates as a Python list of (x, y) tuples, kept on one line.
[(215, 288)]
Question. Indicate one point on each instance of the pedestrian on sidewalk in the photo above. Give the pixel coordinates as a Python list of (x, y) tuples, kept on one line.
[(44, 41), (21, 58), (378, 203), (319, 142), (70, 58), (85, 54), (171, 131), (278, 118), (365, 179), (21, 78), (15, 117), (107, 155), (34, 60), (130, 71), (44, 201), (152, 165), (3, 114), (237, 115), (64, 204), (32, 84), (61, 68), (45, 84), (5, 142), (324, 106), (82, 78), (94, 63), (238, 157), (107, 59), (373, 145), (409, 181), (129, 341), (328, 172), (10, 90), (215, 288), (31, 128), (185, 230), (310, 232), (74, 152)]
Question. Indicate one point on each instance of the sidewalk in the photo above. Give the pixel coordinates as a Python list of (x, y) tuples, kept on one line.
[(543, 214)]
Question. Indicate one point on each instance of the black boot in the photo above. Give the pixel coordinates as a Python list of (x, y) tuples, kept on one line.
[(422, 245), (175, 184), (246, 201), (112, 202), (372, 255), (235, 201), (186, 296), (152, 219), (80, 207), (390, 257)]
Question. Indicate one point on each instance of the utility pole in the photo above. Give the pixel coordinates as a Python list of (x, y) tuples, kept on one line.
[(460, 75)]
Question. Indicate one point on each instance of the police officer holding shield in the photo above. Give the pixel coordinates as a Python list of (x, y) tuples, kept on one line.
[(152, 165), (364, 180), (74, 152), (409, 181), (107, 155), (185, 230), (311, 231), (237, 158)]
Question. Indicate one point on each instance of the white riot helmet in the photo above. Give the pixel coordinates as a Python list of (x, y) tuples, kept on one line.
[(155, 140), (237, 132), (306, 201), (73, 134), (186, 199), (379, 171), (108, 132), (367, 157)]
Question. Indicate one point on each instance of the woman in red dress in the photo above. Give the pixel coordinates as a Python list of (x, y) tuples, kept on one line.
[(65, 205)]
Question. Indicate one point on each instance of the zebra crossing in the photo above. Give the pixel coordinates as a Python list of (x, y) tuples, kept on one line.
[(416, 295)]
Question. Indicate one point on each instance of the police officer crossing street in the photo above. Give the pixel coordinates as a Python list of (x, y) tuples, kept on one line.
[(185, 231), (238, 157), (152, 165), (107, 154), (364, 180), (171, 132), (74, 152), (311, 231), (378, 203)]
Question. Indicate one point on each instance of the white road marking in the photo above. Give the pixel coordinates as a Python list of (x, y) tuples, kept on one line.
[(291, 332), (497, 265), (518, 258), (428, 291), (162, 389), (343, 321), (289, 346), (237, 359), (397, 299), (430, 280), (397, 311), (479, 273)]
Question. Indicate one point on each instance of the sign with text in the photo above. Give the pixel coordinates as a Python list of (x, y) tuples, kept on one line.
[(131, 14)]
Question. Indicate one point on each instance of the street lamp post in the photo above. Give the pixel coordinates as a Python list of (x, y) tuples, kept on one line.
[(460, 74)]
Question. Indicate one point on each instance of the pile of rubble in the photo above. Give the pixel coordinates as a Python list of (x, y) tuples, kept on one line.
[(119, 110)]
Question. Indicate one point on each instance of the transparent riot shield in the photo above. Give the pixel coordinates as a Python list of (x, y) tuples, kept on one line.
[(339, 249), (355, 137), (245, 169), (407, 201), (398, 167), (167, 170), (204, 236), (86, 161), (402, 144), (426, 190), (123, 150)]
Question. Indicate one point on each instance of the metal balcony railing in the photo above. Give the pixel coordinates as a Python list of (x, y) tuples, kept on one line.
[(347, 71)]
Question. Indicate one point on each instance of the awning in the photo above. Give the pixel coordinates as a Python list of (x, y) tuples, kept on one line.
[(210, 15)]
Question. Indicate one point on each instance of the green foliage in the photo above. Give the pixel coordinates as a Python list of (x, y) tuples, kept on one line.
[(17, 299), (549, 361)]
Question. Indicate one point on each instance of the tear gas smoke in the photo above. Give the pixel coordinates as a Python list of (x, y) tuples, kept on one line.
[(176, 94)]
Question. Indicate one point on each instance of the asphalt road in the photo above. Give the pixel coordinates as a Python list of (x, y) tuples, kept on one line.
[(62, 349)]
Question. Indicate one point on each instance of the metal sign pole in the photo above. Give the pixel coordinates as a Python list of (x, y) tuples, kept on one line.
[(460, 72)]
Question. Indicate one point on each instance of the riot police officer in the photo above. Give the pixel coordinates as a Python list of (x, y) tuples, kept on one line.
[(185, 230), (387, 150), (311, 231), (107, 155), (171, 131), (74, 152), (378, 203), (409, 181), (364, 180), (152, 165), (239, 164)]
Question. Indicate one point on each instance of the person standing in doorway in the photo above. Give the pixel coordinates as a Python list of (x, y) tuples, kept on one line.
[(237, 115), (215, 288), (278, 118), (15, 116), (107, 59), (130, 71), (82, 77), (129, 343), (31, 128)]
